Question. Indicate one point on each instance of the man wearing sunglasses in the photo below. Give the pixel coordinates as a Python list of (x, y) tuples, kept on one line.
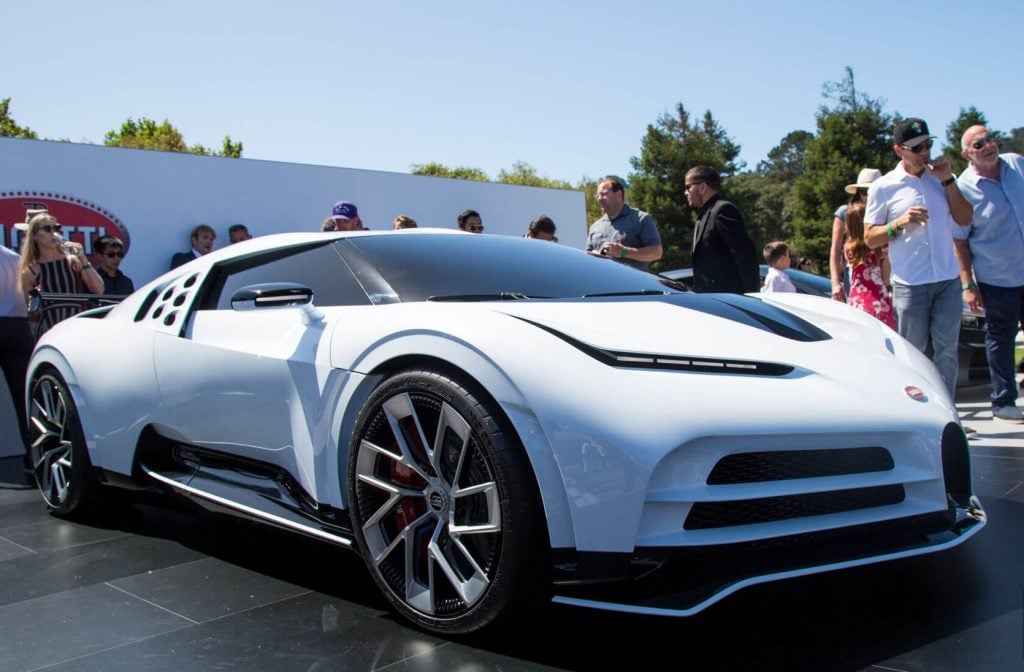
[(469, 220), (110, 252), (991, 256), (914, 209), (724, 259)]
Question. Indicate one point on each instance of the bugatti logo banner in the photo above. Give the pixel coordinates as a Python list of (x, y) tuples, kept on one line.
[(82, 221)]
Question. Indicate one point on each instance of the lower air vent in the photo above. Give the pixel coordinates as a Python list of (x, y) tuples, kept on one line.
[(783, 465), (708, 515)]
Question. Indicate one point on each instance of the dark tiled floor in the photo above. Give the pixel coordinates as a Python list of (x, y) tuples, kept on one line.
[(161, 585)]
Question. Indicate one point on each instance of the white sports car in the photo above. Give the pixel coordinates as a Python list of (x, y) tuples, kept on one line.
[(491, 421)]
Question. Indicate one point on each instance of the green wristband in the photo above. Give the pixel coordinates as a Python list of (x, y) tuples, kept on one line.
[(625, 251)]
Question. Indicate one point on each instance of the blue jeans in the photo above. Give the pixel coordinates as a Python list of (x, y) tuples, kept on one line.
[(1003, 309), (932, 311)]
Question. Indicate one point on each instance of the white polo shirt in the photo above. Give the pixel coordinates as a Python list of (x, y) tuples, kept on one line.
[(921, 253)]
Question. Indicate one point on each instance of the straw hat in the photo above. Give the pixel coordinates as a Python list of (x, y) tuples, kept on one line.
[(864, 180)]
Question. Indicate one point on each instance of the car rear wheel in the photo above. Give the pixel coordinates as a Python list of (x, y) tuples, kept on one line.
[(444, 504), (60, 459)]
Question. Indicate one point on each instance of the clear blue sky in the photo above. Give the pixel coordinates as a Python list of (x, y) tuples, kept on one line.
[(568, 87)]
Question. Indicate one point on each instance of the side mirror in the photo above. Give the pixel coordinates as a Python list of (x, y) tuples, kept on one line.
[(277, 295), (271, 295)]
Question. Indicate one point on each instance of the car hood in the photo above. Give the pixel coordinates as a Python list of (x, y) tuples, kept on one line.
[(810, 334), (672, 324)]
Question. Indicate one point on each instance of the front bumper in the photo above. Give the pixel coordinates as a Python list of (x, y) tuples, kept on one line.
[(683, 582)]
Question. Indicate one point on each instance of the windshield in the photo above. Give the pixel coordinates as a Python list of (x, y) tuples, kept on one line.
[(450, 267)]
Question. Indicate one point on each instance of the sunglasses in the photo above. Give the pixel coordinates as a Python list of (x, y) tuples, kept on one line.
[(111, 255), (687, 187), (49, 228), (981, 142), (927, 144), (475, 228)]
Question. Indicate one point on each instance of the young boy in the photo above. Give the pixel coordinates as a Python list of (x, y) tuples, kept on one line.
[(776, 253)]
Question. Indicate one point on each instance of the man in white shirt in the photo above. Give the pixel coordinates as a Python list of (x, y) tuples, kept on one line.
[(914, 209), (15, 336)]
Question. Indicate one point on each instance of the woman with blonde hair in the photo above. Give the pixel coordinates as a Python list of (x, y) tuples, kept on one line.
[(51, 264), (869, 270)]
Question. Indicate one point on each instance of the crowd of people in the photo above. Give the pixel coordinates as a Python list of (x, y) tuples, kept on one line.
[(919, 243), (909, 247)]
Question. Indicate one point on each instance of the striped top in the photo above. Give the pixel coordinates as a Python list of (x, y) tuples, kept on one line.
[(57, 276)]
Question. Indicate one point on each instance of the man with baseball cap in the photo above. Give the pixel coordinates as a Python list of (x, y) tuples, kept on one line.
[(915, 208), (346, 217)]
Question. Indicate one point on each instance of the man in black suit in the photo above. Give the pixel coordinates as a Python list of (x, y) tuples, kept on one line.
[(724, 259), (202, 243)]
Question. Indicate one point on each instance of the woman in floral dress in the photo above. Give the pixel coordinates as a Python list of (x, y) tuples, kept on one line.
[(869, 275)]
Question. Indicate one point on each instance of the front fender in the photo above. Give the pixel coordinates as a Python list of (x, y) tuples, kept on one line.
[(397, 349)]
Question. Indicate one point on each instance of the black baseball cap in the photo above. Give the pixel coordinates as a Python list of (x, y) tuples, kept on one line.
[(911, 132)]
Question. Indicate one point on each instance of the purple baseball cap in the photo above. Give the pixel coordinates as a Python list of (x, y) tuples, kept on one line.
[(344, 210)]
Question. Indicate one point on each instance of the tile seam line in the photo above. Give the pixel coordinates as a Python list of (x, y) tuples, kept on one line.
[(109, 648), (152, 604), (258, 606), (11, 541)]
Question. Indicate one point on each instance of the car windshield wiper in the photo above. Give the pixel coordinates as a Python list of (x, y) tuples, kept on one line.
[(501, 296), (640, 292)]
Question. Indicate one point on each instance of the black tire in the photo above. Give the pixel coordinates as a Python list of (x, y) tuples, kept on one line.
[(449, 523), (60, 458)]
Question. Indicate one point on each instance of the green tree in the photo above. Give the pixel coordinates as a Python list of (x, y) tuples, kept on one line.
[(524, 174), (765, 195), (854, 132), (764, 202), (147, 134), (8, 127), (1014, 142), (588, 185), (231, 149), (435, 169), (786, 161), (673, 145), (968, 117)]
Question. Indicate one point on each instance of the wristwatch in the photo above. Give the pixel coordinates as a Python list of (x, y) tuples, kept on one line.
[(948, 181)]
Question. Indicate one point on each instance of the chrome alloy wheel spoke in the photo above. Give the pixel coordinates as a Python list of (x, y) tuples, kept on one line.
[(398, 409), (51, 450), (469, 588), (373, 530), (493, 525)]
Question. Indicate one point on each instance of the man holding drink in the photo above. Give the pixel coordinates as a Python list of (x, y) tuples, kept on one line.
[(914, 209)]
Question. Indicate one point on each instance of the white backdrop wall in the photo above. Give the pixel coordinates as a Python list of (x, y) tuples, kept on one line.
[(160, 196)]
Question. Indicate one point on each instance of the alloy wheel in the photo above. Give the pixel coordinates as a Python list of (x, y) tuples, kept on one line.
[(429, 504)]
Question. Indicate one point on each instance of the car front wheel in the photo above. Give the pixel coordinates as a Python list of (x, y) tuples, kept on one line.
[(444, 504), (60, 459)]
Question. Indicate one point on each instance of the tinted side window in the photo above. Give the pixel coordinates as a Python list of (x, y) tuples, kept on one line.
[(319, 268)]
